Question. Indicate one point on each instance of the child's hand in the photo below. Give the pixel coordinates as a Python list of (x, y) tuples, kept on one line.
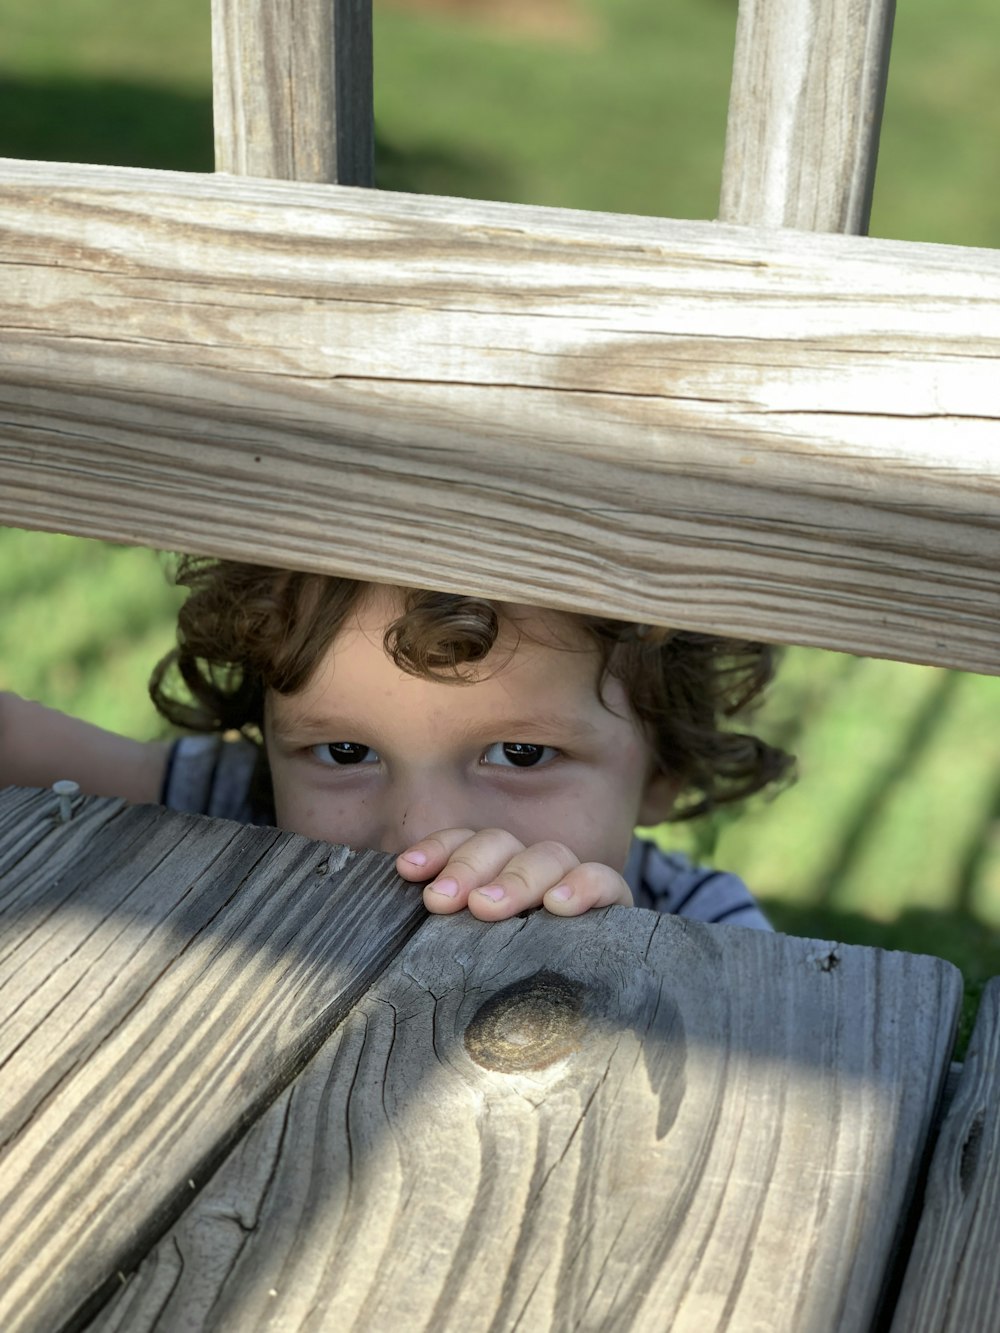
[(495, 876)]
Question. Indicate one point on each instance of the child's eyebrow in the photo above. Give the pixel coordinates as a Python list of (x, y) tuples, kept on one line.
[(337, 726), (523, 725), (326, 725)]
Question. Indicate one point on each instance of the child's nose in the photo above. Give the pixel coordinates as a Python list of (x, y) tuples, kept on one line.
[(420, 809)]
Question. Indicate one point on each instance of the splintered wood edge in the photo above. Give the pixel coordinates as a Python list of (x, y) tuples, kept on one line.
[(949, 1285)]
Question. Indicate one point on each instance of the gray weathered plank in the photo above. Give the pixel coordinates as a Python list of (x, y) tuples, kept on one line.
[(951, 1283), (773, 434), (292, 89), (619, 1122), (805, 110), (162, 977)]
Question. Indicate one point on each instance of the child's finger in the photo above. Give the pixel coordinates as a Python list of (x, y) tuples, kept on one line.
[(476, 859), (430, 855), (587, 886), (521, 883)]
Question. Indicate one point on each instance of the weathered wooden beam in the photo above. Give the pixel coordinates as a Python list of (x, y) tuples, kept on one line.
[(292, 89), (950, 1284), (805, 109), (618, 1122), (764, 433), (162, 978)]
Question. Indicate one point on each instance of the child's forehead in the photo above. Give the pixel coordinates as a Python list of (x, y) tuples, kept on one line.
[(545, 670)]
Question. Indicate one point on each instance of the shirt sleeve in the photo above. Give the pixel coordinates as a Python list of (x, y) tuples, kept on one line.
[(207, 775), (668, 882)]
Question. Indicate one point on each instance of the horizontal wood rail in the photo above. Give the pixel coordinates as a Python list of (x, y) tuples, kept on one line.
[(777, 434)]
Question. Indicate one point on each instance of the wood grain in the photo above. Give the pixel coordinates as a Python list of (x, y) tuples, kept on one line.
[(951, 1282), (292, 89), (162, 978), (772, 434), (805, 110), (619, 1122)]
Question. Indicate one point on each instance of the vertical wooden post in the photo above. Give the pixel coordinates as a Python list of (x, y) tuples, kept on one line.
[(292, 89), (805, 112)]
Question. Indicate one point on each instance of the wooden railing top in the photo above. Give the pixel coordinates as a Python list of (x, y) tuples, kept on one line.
[(769, 433)]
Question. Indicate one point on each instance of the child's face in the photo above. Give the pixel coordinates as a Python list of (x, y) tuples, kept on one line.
[(371, 757)]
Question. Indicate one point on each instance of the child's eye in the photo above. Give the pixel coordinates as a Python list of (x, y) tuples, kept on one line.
[(518, 754), (345, 752)]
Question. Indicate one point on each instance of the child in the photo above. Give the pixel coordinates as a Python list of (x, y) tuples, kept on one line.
[(504, 753)]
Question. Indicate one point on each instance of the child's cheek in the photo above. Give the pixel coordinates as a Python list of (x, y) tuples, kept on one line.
[(345, 822), (597, 830)]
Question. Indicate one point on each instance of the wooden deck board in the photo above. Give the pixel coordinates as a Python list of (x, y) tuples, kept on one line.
[(163, 976), (951, 1284), (622, 1122)]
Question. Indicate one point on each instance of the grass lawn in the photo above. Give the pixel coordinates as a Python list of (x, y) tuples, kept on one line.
[(891, 835)]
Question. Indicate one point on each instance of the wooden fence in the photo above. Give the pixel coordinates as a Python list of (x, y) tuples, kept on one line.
[(728, 427)]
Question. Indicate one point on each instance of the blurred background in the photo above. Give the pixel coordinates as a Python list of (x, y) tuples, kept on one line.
[(891, 834)]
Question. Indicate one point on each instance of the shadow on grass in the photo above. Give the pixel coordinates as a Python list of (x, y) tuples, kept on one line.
[(114, 123), (977, 853), (957, 936), (913, 741), (105, 121)]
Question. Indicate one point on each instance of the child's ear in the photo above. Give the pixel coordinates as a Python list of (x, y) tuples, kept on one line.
[(658, 797)]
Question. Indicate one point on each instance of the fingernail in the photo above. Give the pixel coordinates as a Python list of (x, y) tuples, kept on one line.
[(494, 892), (446, 887), (561, 892), (414, 858)]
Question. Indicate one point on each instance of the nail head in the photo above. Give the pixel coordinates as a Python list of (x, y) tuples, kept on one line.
[(66, 790)]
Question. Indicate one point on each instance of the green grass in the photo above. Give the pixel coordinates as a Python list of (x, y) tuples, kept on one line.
[(83, 624), (938, 155), (632, 121), (891, 836)]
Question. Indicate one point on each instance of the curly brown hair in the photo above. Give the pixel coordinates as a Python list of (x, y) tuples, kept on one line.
[(247, 629)]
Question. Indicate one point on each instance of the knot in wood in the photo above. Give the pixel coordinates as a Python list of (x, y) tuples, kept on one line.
[(529, 1024)]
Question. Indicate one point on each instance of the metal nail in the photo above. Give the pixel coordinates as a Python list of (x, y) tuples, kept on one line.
[(67, 791)]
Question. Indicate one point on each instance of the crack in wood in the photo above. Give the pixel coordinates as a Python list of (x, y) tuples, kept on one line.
[(969, 1157)]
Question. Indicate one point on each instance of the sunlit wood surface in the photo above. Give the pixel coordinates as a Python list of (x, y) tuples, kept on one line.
[(162, 978)]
